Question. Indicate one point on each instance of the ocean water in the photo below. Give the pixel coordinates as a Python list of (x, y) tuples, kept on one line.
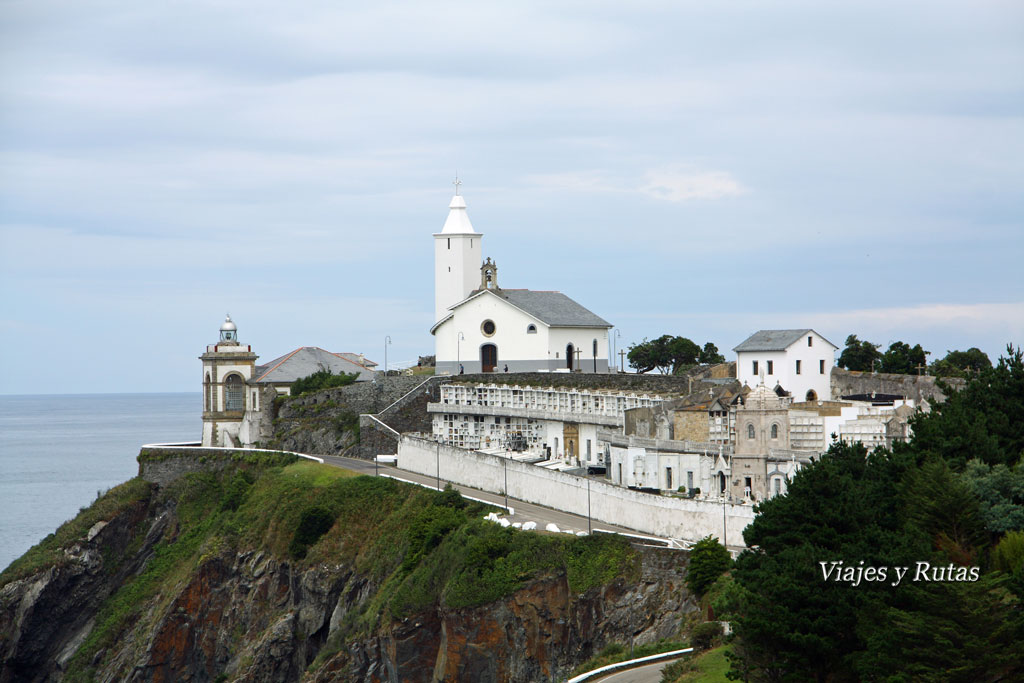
[(57, 452)]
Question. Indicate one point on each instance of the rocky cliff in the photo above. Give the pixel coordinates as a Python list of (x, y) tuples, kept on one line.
[(304, 572)]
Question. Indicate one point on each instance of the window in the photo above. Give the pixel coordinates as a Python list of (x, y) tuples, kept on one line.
[(770, 367), (588, 449), (798, 367), (531, 329), (234, 398), (776, 485), (668, 478), (821, 367), (746, 486), (750, 431), (775, 431), (810, 341), (449, 246), (755, 367), (689, 480), (488, 328)]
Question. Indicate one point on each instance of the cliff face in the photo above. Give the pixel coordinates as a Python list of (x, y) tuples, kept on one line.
[(145, 596)]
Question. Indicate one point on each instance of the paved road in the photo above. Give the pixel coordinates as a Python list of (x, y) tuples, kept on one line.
[(642, 674), (524, 512)]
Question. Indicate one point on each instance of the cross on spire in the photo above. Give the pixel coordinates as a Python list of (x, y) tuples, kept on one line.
[(457, 183)]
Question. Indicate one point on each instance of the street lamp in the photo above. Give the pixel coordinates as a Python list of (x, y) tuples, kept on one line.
[(387, 343), (614, 345), (458, 350)]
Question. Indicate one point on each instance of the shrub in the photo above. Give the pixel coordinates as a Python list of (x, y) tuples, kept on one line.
[(322, 379), (313, 523), (708, 560), (706, 635)]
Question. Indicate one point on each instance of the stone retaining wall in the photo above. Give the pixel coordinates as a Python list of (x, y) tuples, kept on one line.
[(162, 466)]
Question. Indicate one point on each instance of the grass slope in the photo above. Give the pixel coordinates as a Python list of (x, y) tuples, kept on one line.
[(421, 548)]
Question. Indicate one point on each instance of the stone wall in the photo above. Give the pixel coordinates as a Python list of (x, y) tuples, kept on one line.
[(691, 425), (664, 516), (407, 414), (915, 387), (327, 422), (162, 466)]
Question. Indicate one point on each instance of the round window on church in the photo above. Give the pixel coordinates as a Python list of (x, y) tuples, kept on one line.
[(488, 328)]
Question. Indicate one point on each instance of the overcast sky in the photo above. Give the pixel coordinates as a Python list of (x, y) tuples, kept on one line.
[(694, 168)]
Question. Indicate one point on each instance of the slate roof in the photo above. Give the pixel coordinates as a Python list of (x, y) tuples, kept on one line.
[(304, 361), (774, 340), (552, 308), (354, 357)]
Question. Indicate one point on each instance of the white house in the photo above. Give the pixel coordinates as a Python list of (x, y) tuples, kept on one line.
[(800, 361), (483, 328)]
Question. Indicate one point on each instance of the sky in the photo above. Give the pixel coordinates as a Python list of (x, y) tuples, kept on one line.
[(689, 168)]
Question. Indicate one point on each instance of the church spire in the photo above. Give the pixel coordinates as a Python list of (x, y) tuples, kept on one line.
[(458, 220)]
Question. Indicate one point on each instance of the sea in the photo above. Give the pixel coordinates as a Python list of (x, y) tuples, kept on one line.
[(58, 453)]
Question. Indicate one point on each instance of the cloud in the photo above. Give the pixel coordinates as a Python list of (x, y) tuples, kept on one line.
[(671, 184), (684, 186)]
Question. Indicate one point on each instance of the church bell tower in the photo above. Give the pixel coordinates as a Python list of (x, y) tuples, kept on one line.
[(457, 258)]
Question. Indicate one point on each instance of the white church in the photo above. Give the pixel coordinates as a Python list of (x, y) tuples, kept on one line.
[(482, 327)]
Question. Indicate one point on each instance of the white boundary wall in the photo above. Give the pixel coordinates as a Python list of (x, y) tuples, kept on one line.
[(663, 516)]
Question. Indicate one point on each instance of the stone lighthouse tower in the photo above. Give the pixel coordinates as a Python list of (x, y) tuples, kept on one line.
[(227, 368)]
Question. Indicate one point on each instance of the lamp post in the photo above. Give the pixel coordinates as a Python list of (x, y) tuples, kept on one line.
[(615, 345), (589, 530), (438, 465), (387, 343), (505, 462), (458, 350)]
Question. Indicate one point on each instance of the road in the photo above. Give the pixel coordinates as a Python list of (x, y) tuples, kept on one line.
[(650, 673), (524, 512)]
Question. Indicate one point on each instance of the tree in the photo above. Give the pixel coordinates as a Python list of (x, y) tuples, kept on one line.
[(709, 355), (648, 355), (709, 559), (670, 354), (902, 359), (960, 363), (984, 420), (859, 355), (844, 507)]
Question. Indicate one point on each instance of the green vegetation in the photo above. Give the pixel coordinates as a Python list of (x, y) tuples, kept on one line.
[(671, 355), (322, 379), (961, 363), (708, 560), (708, 667), (950, 498), (900, 358), (419, 549)]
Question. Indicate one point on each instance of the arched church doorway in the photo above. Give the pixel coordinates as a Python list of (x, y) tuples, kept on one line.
[(569, 355), (488, 357), (811, 395)]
